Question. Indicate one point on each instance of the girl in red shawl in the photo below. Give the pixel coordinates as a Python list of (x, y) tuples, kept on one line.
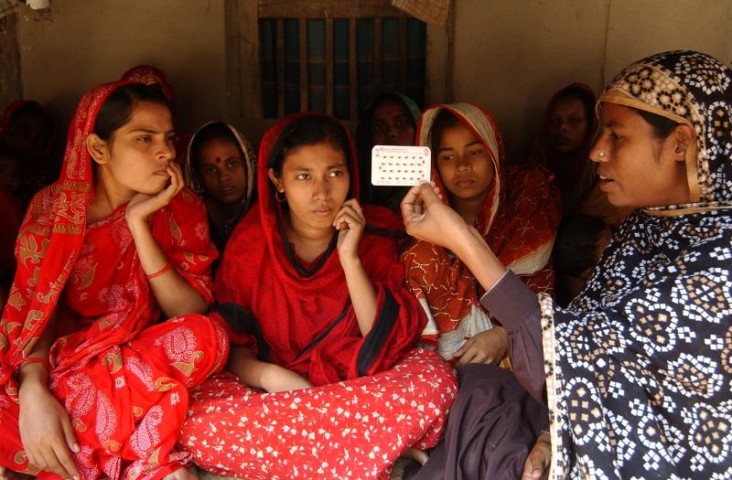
[(334, 327), (92, 383), (148, 75), (516, 210)]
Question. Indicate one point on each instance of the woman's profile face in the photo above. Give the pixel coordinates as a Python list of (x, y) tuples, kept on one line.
[(315, 182), (464, 164), (222, 170), (635, 168), (139, 152)]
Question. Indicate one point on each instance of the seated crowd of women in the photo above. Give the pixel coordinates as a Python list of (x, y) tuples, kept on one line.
[(191, 303)]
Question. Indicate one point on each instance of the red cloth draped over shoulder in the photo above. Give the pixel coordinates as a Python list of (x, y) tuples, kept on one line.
[(305, 315), (518, 221), (51, 239)]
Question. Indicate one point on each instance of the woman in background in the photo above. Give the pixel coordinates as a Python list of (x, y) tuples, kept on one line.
[(390, 119), (221, 169)]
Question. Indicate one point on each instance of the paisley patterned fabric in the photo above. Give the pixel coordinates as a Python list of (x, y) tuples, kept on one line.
[(122, 377), (639, 367)]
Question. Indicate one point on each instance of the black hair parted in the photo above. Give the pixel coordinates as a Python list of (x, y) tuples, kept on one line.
[(445, 119), (212, 131), (310, 130), (116, 110), (584, 96)]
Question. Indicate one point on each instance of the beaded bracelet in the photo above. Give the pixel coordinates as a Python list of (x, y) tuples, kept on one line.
[(40, 360), (160, 272)]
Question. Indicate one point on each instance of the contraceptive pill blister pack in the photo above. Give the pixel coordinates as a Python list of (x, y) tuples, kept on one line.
[(397, 166)]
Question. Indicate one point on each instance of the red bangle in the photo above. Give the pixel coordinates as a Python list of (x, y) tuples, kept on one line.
[(160, 272), (40, 360)]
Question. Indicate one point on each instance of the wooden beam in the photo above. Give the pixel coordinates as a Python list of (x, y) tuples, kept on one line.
[(376, 58), (11, 87), (402, 55), (327, 9)]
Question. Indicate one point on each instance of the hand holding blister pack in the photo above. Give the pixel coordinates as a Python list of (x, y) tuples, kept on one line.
[(397, 166)]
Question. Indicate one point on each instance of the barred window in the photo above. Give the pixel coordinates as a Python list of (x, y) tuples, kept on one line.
[(333, 56)]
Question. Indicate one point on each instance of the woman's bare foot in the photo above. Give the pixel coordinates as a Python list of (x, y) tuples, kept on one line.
[(183, 473)]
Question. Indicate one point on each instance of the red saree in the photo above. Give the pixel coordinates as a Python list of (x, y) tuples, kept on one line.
[(122, 376), (518, 221), (374, 397)]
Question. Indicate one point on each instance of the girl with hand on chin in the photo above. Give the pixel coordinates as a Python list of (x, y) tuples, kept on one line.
[(94, 384)]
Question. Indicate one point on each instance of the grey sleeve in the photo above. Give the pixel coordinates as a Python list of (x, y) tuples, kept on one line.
[(516, 307)]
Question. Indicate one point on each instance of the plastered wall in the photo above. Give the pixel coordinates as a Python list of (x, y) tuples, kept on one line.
[(91, 42), (511, 55)]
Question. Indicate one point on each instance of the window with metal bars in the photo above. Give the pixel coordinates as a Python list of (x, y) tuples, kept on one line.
[(334, 56)]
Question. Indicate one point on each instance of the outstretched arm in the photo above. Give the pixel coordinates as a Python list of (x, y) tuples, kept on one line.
[(427, 218)]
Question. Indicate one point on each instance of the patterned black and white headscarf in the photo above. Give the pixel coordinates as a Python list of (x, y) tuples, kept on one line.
[(639, 366)]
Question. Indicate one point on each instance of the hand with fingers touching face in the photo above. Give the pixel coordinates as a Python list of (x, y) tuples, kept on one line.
[(142, 205), (350, 223)]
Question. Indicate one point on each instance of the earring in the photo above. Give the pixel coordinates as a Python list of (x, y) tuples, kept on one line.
[(280, 196)]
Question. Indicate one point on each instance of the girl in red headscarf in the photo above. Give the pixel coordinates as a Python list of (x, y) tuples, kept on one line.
[(93, 384), (515, 209), (332, 327)]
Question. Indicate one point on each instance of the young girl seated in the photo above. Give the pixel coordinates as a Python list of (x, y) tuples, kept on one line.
[(220, 168), (319, 277), (516, 209), (93, 384)]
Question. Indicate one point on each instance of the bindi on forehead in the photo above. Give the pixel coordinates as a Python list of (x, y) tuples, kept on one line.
[(217, 159)]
